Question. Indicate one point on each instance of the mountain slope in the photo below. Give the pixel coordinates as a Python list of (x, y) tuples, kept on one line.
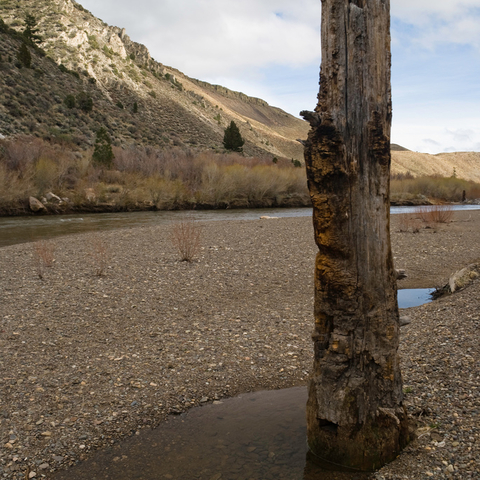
[(115, 71)]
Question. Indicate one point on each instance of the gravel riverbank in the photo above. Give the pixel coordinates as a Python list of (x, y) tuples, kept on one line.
[(88, 360)]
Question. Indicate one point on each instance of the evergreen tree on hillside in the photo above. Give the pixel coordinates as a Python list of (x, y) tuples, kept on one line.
[(31, 30), (103, 154), (232, 139), (24, 56)]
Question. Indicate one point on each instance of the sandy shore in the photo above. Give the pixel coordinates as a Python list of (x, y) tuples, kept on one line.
[(87, 359)]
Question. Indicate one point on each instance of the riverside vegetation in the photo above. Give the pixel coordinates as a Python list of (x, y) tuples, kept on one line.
[(142, 177)]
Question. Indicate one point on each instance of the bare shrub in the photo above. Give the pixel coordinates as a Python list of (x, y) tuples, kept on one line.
[(21, 152), (186, 238), (100, 253), (435, 213), (408, 223), (43, 256)]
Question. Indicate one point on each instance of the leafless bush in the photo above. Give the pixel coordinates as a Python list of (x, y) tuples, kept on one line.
[(436, 213), (100, 254), (43, 256), (21, 152), (186, 237), (408, 223)]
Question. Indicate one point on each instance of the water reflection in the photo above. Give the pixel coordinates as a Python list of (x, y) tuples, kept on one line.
[(414, 297), (259, 436)]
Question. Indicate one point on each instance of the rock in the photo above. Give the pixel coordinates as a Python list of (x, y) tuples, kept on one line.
[(36, 205), (463, 277), (400, 274), (44, 466), (405, 320), (204, 400), (266, 217), (32, 474), (51, 197)]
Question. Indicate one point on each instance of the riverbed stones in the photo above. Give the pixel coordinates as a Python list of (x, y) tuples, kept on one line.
[(250, 296)]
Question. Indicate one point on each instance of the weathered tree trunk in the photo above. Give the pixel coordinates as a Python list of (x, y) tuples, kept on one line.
[(355, 414)]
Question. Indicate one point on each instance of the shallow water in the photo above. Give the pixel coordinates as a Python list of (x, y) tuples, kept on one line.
[(15, 230), (414, 297), (260, 435)]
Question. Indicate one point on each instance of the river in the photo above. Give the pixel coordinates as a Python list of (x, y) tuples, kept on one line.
[(23, 229)]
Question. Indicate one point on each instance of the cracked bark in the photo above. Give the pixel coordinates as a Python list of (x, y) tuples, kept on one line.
[(355, 414)]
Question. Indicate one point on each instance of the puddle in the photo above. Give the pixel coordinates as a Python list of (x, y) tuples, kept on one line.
[(414, 297), (255, 436)]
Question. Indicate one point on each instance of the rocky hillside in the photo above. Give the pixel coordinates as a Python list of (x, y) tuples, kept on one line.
[(135, 97), (87, 74)]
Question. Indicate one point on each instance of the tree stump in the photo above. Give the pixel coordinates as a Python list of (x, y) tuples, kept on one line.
[(355, 415)]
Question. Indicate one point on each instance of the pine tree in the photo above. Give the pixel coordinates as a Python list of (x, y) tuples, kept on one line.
[(232, 139), (103, 154), (30, 32), (24, 56)]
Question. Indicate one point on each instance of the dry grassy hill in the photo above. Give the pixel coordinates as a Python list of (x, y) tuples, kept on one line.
[(464, 165)]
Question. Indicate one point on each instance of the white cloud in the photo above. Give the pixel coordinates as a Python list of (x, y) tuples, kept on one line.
[(216, 37), (436, 22)]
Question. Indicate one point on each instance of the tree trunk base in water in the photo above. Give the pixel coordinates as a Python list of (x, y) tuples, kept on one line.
[(365, 447)]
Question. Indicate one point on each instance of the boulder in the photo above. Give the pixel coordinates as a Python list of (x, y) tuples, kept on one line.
[(463, 277), (36, 205)]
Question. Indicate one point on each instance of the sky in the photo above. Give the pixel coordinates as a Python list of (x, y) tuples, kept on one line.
[(271, 49)]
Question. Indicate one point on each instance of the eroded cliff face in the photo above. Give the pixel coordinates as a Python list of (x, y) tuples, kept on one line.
[(355, 412)]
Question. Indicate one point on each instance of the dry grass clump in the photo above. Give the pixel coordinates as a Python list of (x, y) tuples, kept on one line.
[(435, 213), (43, 256), (99, 253), (186, 238), (408, 223)]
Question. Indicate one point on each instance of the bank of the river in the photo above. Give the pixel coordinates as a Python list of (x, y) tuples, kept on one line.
[(88, 360), (66, 208)]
